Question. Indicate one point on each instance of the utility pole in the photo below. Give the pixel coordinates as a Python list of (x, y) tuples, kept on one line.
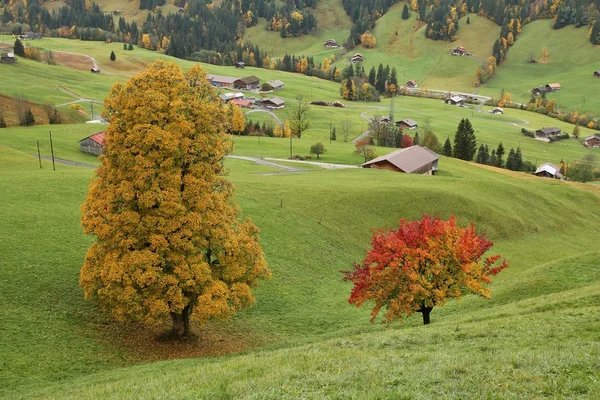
[(39, 154), (52, 151)]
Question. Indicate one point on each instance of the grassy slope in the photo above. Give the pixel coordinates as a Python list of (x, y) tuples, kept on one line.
[(572, 61), (305, 302)]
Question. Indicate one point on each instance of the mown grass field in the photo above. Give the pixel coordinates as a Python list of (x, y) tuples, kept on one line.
[(536, 337)]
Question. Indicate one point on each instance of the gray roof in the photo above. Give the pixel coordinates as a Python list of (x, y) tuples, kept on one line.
[(275, 83), (550, 169), (221, 79), (408, 159), (549, 130), (457, 99), (595, 135), (409, 122), (276, 100)]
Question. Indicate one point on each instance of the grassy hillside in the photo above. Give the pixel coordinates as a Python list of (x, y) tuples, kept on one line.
[(540, 318), (572, 60)]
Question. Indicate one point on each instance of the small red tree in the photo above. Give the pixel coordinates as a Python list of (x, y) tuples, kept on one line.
[(407, 141), (421, 265)]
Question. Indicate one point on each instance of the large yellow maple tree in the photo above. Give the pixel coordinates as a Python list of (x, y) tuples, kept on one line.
[(169, 240)]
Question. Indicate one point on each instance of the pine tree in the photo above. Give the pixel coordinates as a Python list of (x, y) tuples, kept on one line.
[(333, 134), (510, 160), (113, 56), (481, 156), (2, 121), (499, 155), (130, 47), (416, 138), (518, 160), (468, 20), (27, 119), (124, 46), (372, 76), (465, 142), (405, 13), (448, 147), (493, 159), (19, 49)]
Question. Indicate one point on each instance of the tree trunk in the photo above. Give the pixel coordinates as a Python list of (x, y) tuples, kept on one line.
[(425, 311), (181, 323)]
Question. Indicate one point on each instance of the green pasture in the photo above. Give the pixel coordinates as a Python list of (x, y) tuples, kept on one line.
[(302, 339), (572, 60)]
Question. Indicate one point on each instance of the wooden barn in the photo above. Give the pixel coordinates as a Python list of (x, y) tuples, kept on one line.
[(592, 141), (221, 81), (547, 133), (93, 144), (407, 124), (456, 100), (549, 170), (248, 82), (275, 103), (411, 160), (597, 74)]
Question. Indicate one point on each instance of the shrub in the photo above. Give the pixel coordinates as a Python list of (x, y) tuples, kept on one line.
[(527, 132)]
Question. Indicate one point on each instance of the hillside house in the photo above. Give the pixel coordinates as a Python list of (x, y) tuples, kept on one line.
[(274, 103), (242, 103), (407, 124), (552, 87), (592, 141), (93, 144), (458, 51), (539, 90), (549, 170), (276, 84), (31, 35), (240, 64), (221, 81), (410, 160), (357, 58), (547, 133), (456, 100), (411, 84), (8, 58), (497, 110), (247, 83), (381, 119), (597, 74), (330, 43), (95, 70)]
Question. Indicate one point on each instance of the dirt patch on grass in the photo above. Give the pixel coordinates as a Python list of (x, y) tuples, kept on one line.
[(77, 62)]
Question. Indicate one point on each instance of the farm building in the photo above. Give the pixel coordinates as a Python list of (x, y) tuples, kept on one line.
[(407, 124), (497, 110), (221, 81), (242, 103), (549, 170), (330, 43), (93, 144), (276, 84), (458, 51), (553, 87), (8, 58), (356, 58), (411, 160), (31, 35), (539, 90), (592, 141), (597, 74), (240, 64), (381, 119), (95, 70), (248, 83), (275, 103), (547, 133), (456, 100), (411, 84)]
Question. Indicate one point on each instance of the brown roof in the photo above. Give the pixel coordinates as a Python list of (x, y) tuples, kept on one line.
[(248, 80), (409, 159), (554, 85)]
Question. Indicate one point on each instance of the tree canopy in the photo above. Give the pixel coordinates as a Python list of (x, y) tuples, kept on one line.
[(465, 142), (421, 265), (168, 238)]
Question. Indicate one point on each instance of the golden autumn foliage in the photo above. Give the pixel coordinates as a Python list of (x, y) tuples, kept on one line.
[(368, 40), (168, 238)]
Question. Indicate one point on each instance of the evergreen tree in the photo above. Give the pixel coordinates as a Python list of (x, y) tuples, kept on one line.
[(468, 20), (124, 46), (2, 121), (372, 76), (576, 131), (510, 160), (28, 119), (518, 160), (493, 159), (416, 138), (19, 49), (448, 147), (130, 47), (465, 142), (499, 155), (481, 156), (380, 80), (333, 134), (405, 13), (113, 56)]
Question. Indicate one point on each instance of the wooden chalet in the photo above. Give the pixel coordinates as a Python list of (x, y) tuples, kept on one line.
[(411, 84), (275, 103), (356, 58), (247, 83), (95, 70), (547, 133), (276, 84), (382, 119), (407, 124), (549, 170), (8, 58), (458, 51), (411, 160), (592, 141), (93, 144), (221, 81), (456, 100), (330, 43), (242, 103), (31, 35), (240, 64), (552, 87), (497, 110), (597, 74)]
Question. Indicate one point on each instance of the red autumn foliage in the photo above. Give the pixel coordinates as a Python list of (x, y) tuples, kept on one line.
[(421, 265), (406, 141)]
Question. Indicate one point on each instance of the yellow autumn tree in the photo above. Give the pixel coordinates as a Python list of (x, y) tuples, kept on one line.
[(326, 66), (238, 120), (368, 40), (168, 241)]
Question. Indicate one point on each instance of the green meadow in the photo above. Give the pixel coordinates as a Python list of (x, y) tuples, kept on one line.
[(536, 337)]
